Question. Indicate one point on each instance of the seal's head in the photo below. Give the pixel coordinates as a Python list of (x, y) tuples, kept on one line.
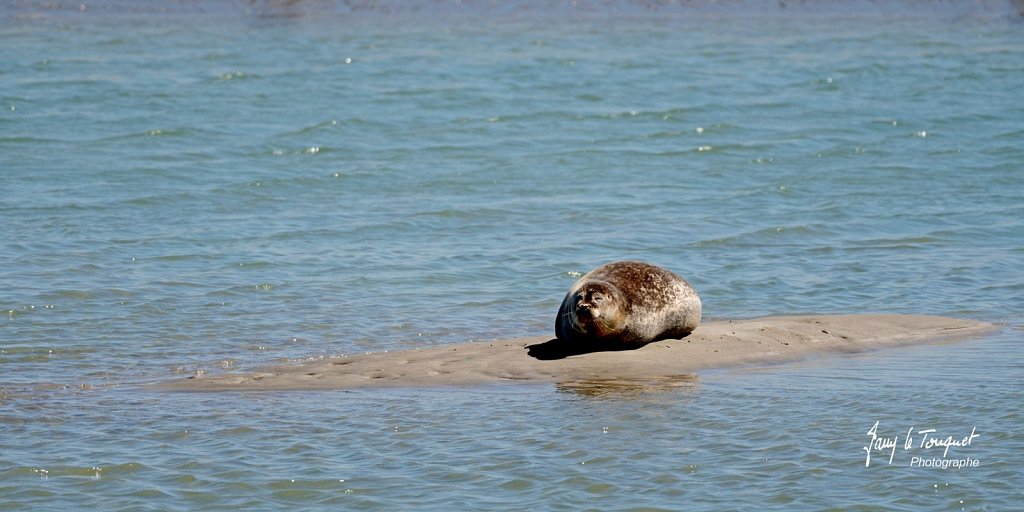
[(597, 310)]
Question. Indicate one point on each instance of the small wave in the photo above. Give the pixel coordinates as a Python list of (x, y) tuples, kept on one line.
[(465, 214), (303, 150), (903, 243), (234, 75), (56, 295), (770, 234), (157, 199), (33, 140), (152, 132)]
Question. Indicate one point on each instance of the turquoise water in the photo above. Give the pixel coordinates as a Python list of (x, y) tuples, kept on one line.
[(197, 192)]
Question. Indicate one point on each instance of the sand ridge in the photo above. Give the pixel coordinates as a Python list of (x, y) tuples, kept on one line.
[(713, 344)]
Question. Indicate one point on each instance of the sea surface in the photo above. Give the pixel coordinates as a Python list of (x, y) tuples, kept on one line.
[(189, 188)]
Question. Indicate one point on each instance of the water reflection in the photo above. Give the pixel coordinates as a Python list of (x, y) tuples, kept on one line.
[(625, 387)]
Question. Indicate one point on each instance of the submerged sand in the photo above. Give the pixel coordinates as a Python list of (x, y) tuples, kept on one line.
[(541, 359)]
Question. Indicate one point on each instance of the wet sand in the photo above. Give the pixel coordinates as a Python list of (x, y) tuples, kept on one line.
[(715, 344)]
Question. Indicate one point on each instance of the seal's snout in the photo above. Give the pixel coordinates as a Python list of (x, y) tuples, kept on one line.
[(585, 309)]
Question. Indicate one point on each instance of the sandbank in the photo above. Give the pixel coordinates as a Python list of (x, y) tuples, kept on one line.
[(715, 344)]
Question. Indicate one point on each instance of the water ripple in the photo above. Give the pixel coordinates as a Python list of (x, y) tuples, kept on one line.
[(202, 205)]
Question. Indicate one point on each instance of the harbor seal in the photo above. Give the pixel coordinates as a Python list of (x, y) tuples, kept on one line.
[(627, 304)]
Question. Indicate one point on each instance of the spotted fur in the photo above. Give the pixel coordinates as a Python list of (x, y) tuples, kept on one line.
[(627, 304)]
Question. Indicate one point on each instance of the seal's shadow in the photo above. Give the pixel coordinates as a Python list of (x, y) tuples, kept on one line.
[(558, 349)]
